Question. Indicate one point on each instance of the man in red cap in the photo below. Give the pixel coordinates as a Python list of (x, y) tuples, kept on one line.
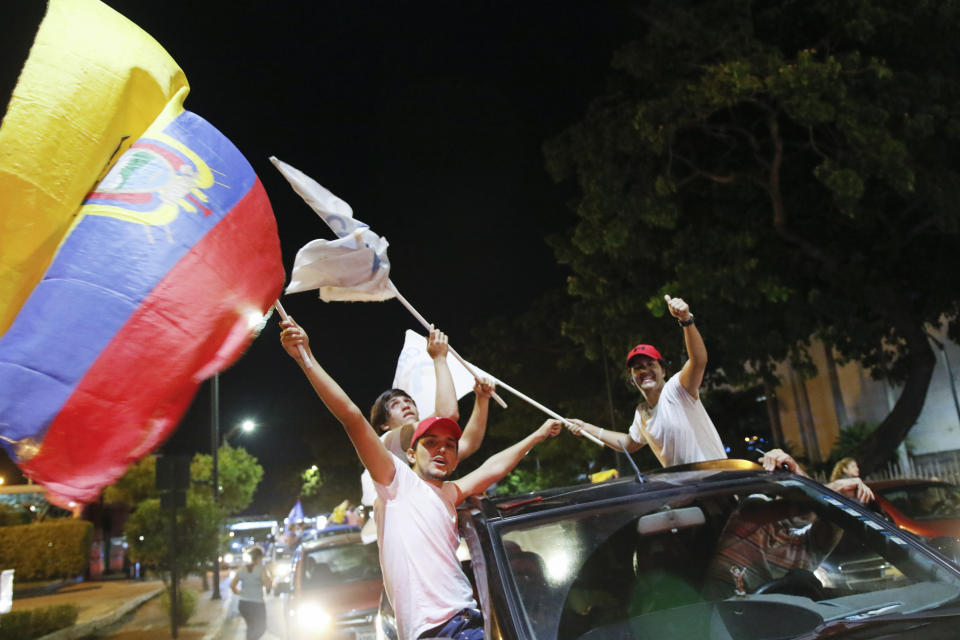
[(396, 413), (671, 419), (416, 506)]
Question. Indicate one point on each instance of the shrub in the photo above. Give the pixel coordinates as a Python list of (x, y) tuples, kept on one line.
[(33, 623), (11, 515), (188, 604), (45, 550)]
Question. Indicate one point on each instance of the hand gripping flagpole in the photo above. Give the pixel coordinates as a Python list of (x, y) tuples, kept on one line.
[(426, 325), (303, 352), (499, 383)]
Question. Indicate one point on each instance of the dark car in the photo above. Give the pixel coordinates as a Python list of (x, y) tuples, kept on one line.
[(712, 550), (335, 589)]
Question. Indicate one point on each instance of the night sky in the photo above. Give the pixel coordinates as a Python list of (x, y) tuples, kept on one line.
[(428, 119)]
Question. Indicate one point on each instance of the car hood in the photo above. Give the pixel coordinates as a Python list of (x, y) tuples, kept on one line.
[(344, 598)]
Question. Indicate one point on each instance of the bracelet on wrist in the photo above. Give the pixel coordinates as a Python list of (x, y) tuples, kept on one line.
[(687, 322)]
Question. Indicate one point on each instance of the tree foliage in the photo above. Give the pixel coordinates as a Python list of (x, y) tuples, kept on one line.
[(199, 523), (789, 168), (238, 475)]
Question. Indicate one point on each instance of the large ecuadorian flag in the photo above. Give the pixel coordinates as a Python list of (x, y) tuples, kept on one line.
[(138, 252)]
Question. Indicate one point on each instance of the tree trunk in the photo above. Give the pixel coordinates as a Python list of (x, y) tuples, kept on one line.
[(880, 447)]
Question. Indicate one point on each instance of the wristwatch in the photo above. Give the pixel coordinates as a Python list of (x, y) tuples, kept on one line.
[(687, 322)]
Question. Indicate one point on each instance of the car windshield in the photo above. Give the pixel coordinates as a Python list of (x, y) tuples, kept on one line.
[(339, 565), (760, 558), (925, 501)]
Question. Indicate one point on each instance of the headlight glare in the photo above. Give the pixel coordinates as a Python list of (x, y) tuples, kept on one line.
[(312, 617)]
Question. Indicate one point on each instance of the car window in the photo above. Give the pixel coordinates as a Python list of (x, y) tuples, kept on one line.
[(338, 565), (925, 502), (683, 564)]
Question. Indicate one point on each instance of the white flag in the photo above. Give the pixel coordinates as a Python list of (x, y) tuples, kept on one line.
[(346, 269), (415, 374), (354, 267), (335, 212)]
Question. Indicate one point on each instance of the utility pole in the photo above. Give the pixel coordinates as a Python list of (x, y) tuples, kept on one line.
[(215, 475)]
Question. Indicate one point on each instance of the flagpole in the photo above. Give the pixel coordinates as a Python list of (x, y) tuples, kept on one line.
[(303, 352), (426, 325), (499, 383)]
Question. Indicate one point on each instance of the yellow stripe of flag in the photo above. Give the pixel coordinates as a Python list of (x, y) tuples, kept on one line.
[(93, 83)]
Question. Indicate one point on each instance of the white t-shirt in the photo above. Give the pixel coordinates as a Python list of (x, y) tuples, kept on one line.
[(417, 534), (679, 431), (391, 440)]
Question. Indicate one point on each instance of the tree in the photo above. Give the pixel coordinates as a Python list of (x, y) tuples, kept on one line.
[(322, 487), (199, 523), (789, 168), (238, 473)]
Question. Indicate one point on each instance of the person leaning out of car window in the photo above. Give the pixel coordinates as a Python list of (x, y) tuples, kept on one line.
[(671, 418), (851, 486), (416, 506)]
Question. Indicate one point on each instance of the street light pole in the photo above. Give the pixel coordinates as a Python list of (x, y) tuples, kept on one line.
[(214, 446)]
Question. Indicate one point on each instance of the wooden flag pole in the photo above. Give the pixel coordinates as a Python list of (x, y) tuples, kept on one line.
[(426, 325), (303, 352), (498, 382)]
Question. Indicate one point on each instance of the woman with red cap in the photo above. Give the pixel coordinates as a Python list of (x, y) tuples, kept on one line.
[(671, 419)]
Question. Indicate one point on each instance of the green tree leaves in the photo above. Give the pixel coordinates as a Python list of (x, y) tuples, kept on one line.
[(784, 167)]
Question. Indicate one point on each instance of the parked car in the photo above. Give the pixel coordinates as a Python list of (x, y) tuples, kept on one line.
[(335, 589), (711, 550), (926, 508)]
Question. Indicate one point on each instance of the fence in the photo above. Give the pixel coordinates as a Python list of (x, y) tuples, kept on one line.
[(945, 471)]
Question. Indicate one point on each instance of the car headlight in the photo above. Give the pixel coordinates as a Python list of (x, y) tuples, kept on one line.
[(312, 617), (228, 558)]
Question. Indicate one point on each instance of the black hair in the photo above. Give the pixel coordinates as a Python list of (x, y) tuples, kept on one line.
[(378, 412)]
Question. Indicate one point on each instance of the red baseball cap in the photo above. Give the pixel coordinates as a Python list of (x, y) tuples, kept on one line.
[(436, 424), (643, 350)]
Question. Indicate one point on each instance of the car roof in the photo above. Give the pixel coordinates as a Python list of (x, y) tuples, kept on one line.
[(658, 480), (333, 540)]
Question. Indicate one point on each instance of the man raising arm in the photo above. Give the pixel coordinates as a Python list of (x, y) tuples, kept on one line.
[(416, 507)]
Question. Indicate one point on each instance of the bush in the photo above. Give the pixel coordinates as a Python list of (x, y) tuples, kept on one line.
[(33, 623), (45, 550), (188, 604), (12, 516)]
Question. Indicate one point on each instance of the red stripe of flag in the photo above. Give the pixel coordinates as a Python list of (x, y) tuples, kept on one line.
[(137, 390)]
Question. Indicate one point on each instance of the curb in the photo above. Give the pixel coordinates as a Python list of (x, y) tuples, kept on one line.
[(216, 626), (44, 590), (88, 628)]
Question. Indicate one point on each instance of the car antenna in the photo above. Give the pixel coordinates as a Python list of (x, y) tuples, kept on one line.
[(639, 476)]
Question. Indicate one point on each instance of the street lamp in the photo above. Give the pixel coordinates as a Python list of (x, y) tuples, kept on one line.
[(246, 426)]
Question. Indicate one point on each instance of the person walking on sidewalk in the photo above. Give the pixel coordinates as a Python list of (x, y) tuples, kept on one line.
[(249, 584)]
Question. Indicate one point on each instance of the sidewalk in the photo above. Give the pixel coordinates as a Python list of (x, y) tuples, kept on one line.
[(131, 609)]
